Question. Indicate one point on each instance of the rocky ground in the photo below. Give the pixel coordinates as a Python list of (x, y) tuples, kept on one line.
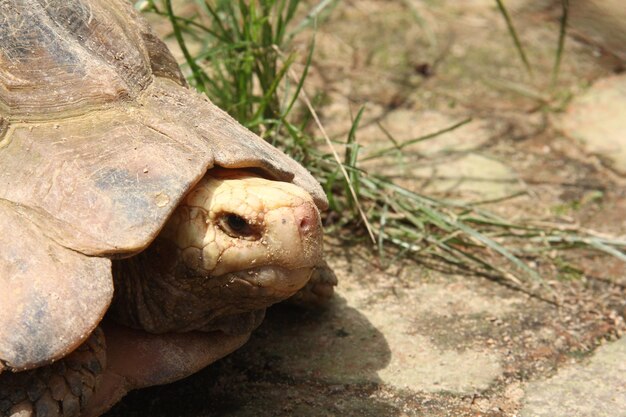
[(407, 341)]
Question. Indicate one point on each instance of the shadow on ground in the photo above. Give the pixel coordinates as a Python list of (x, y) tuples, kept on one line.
[(299, 362)]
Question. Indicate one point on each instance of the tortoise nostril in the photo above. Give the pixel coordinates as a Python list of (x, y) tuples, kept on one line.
[(305, 225), (307, 218)]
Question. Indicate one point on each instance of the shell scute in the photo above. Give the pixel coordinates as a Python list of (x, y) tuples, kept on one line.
[(50, 297)]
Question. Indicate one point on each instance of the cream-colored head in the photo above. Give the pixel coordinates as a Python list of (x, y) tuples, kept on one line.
[(234, 221)]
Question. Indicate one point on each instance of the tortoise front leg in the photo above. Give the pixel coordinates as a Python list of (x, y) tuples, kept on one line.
[(319, 290), (90, 380), (137, 359), (61, 389)]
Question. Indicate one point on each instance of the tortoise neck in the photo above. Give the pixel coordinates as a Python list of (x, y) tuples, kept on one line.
[(155, 291)]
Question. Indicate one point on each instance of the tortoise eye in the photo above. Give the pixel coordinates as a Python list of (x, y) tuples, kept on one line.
[(236, 226)]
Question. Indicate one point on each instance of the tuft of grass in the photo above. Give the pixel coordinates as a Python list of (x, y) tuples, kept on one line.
[(241, 62)]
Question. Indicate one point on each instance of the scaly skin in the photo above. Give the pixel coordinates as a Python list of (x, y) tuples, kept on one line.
[(62, 389)]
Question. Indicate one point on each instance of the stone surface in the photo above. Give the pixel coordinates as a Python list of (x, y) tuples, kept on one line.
[(596, 388), (405, 125), (597, 118), (450, 163), (401, 343), (473, 176), (363, 339), (602, 23)]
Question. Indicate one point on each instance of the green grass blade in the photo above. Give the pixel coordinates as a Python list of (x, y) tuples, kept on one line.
[(198, 74), (402, 145), (500, 249), (312, 16), (217, 21), (300, 85), (513, 33), (242, 67), (561, 45)]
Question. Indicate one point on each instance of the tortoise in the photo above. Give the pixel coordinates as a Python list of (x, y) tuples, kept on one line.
[(145, 231)]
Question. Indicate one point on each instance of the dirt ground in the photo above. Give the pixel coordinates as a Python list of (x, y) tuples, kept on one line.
[(407, 341)]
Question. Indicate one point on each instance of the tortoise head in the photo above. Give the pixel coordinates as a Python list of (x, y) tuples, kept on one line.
[(235, 245)]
